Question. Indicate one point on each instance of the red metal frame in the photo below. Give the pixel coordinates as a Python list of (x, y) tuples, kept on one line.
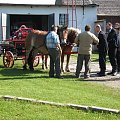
[(17, 40)]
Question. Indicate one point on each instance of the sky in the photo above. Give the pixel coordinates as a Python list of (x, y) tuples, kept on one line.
[(52, 2)]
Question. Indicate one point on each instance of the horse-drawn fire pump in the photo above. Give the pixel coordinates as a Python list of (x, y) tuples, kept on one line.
[(28, 44), (14, 48)]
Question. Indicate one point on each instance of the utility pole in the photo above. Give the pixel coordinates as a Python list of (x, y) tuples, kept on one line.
[(83, 7), (74, 14)]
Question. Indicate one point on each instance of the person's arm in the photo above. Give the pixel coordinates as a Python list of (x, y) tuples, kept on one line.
[(105, 41), (77, 40), (59, 47), (95, 39), (58, 44)]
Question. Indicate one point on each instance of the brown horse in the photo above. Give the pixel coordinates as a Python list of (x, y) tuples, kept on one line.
[(67, 46), (35, 43)]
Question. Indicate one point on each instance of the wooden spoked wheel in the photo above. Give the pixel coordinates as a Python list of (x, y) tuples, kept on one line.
[(8, 59), (35, 63)]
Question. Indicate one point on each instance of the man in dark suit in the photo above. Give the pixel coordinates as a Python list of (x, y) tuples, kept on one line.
[(112, 48), (118, 50), (102, 49)]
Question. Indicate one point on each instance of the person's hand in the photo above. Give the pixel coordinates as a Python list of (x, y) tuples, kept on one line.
[(60, 52)]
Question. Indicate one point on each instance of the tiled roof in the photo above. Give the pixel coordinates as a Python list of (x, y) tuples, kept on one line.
[(69, 2), (45, 2), (108, 7), (28, 2)]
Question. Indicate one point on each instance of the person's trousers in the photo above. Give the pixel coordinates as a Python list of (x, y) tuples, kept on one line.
[(118, 60), (80, 59), (112, 53), (102, 61), (54, 62)]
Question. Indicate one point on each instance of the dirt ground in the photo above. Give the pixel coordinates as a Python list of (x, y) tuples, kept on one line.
[(108, 80)]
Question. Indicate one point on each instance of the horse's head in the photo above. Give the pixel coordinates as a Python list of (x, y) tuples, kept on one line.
[(67, 35), (72, 33), (63, 33)]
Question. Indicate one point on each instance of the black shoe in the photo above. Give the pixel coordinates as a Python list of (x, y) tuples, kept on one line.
[(110, 73), (51, 76), (101, 74), (86, 77), (59, 77), (76, 76), (118, 72), (114, 74), (98, 73)]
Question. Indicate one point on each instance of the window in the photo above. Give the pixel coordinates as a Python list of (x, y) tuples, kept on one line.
[(63, 19)]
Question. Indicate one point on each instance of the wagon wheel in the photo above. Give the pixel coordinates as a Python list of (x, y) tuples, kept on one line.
[(35, 63), (8, 59)]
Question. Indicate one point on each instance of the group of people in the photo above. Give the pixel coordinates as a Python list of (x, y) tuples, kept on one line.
[(106, 44)]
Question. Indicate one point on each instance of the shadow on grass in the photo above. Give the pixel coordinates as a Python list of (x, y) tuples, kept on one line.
[(100, 80), (25, 78), (95, 60), (20, 72), (1, 66), (94, 78)]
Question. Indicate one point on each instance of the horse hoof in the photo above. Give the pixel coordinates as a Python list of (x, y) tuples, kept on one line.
[(24, 68), (67, 70), (31, 69), (43, 68)]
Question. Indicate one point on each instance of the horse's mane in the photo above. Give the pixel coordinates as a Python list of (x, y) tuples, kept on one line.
[(74, 30), (72, 33), (39, 32)]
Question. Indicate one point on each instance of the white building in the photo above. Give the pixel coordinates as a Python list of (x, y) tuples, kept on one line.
[(41, 14)]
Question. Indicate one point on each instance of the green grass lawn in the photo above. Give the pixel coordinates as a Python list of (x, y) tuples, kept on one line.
[(11, 110), (38, 85)]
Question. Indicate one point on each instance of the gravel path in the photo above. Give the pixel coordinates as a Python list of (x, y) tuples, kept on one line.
[(111, 81)]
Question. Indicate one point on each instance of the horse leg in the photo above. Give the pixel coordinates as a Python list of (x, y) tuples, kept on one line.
[(46, 58), (25, 62), (67, 63), (25, 65), (62, 60), (43, 61), (30, 60)]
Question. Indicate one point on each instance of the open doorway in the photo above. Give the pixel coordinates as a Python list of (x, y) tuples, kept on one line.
[(39, 22)]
